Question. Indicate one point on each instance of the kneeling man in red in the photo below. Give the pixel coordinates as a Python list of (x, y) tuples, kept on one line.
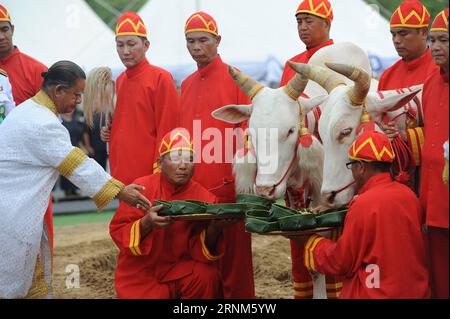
[(381, 253), (163, 259)]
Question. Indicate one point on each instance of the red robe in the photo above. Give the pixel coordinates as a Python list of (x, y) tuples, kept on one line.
[(405, 74), (433, 191), (381, 238), (24, 74), (304, 57), (171, 262), (202, 92), (302, 279), (402, 75), (146, 109)]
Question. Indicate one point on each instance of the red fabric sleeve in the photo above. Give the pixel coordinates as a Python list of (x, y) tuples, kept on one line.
[(381, 81), (416, 138), (167, 108), (167, 104), (284, 76), (199, 251), (197, 247), (125, 230), (344, 257)]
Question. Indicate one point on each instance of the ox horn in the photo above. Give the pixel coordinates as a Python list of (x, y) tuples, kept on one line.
[(326, 78), (248, 85), (361, 78), (295, 87)]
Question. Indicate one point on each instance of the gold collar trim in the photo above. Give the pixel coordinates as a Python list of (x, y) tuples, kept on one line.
[(43, 99)]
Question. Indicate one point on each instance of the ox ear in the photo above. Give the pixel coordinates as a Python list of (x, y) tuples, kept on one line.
[(310, 103), (233, 114), (388, 101)]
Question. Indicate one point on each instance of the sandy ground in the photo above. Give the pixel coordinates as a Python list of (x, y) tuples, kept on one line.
[(90, 248)]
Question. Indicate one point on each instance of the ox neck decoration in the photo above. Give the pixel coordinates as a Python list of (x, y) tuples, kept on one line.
[(304, 137), (366, 122), (248, 146)]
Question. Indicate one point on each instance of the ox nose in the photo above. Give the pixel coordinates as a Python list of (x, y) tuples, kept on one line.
[(265, 191), (328, 199)]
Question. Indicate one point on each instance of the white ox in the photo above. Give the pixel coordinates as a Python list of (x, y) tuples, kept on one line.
[(274, 128), (342, 113), (274, 109), (274, 115), (278, 109)]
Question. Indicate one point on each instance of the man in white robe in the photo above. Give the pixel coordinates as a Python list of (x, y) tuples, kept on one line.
[(6, 98), (36, 150)]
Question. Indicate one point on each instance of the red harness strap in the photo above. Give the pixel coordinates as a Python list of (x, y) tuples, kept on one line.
[(300, 196), (288, 169), (334, 193)]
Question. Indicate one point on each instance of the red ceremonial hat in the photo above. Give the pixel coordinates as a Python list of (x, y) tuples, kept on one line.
[(177, 139), (410, 14), (319, 8), (441, 21), (201, 21), (4, 15), (130, 23), (372, 146)]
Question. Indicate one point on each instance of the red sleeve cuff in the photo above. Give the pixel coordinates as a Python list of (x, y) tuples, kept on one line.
[(137, 245), (310, 247), (205, 250), (416, 139)]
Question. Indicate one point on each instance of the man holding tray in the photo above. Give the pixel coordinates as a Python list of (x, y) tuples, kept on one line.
[(381, 253), (161, 259)]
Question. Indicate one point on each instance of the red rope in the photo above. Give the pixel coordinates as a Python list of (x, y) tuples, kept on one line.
[(288, 170), (402, 162), (334, 193)]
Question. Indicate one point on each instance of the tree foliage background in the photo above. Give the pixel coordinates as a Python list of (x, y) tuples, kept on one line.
[(433, 6), (103, 8), (109, 10)]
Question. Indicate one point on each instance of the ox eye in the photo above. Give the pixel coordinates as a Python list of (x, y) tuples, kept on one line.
[(346, 132), (291, 131)]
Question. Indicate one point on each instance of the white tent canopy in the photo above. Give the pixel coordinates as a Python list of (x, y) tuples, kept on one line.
[(256, 30), (53, 30)]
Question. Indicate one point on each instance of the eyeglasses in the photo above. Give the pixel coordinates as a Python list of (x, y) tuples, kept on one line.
[(177, 159), (349, 164)]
